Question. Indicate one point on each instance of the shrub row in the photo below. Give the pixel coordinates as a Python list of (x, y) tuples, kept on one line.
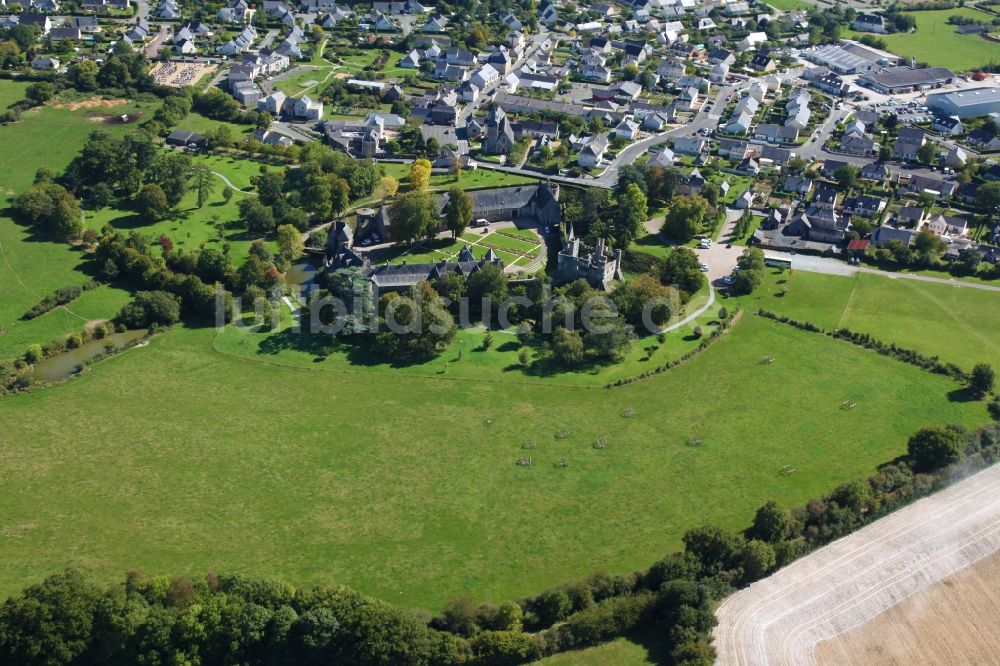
[(61, 296), (705, 343), (922, 361)]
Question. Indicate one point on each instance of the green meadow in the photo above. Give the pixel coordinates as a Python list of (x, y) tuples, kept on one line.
[(30, 266), (959, 324), (186, 456), (938, 43)]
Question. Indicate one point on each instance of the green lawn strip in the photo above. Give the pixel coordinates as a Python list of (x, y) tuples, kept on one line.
[(223, 462)]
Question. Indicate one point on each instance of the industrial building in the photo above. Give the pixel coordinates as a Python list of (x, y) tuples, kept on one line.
[(850, 57), (970, 103), (902, 79)]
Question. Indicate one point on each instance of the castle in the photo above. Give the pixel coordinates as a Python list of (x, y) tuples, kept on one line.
[(596, 265)]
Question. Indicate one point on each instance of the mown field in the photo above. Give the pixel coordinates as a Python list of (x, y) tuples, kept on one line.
[(937, 43), (175, 458), (959, 324), (11, 92)]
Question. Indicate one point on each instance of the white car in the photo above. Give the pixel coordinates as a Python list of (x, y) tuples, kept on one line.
[(481, 222), (704, 268)]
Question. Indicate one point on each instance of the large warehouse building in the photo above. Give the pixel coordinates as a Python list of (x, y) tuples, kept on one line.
[(902, 79), (969, 103), (850, 57)]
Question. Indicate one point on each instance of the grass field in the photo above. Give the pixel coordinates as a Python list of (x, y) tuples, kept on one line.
[(11, 92), (30, 266), (961, 325), (938, 44), (469, 179), (406, 487)]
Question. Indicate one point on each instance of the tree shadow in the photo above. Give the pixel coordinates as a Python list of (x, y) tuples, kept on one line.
[(509, 346), (357, 350), (964, 394)]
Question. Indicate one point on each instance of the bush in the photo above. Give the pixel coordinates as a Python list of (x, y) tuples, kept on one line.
[(59, 297), (932, 448), (151, 307)]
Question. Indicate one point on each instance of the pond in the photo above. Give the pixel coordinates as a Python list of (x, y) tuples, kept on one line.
[(71, 362), (302, 272)]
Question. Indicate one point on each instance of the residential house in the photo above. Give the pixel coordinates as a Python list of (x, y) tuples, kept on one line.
[(884, 235), (798, 185), (664, 157), (739, 123), (875, 171), (983, 139), (593, 152), (956, 158), (910, 216), (45, 63), (948, 125), (929, 185), (947, 225), (861, 146), (869, 23), (690, 145), (908, 144), (864, 206)]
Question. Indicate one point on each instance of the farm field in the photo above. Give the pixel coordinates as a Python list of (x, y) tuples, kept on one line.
[(951, 622), (850, 583), (937, 43), (958, 324), (349, 466)]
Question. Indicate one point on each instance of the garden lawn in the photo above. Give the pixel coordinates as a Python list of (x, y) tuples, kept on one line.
[(32, 266), (937, 43), (959, 324), (179, 460), (480, 178), (307, 81)]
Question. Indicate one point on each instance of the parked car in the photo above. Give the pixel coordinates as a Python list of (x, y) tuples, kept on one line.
[(704, 268), (481, 222)]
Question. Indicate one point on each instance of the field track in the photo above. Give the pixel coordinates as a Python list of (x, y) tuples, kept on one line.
[(780, 620)]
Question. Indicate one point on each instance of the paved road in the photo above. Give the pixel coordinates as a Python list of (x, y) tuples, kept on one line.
[(268, 39), (486, 94)]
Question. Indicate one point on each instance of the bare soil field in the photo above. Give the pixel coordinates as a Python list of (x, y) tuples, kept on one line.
[(782, 619), (952, 622), (92, 104)]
